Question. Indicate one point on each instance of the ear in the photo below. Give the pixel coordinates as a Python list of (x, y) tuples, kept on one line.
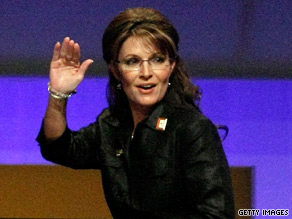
[(172, 66), (115, 70)]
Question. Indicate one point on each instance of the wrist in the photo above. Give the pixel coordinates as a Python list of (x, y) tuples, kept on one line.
[(59, 95)]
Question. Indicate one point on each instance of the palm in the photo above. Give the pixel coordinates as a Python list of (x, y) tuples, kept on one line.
[(66, 72)]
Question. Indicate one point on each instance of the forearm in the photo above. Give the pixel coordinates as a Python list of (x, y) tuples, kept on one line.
[(75, 149), (55, 121)]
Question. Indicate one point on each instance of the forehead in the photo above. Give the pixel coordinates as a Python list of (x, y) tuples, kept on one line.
[(137, 46)]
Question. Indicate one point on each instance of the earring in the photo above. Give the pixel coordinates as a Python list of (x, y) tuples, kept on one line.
[(169, 84), (119, 86)]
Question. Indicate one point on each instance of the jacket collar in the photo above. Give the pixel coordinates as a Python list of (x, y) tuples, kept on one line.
[(163, 111), (109, 118)]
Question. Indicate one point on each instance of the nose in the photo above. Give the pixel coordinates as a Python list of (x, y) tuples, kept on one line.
[(145, 69)]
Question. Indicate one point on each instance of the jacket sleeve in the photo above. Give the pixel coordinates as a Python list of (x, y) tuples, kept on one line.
[(205, 172), (75, 149)]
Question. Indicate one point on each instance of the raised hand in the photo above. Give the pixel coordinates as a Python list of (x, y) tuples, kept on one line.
[(66, 72)]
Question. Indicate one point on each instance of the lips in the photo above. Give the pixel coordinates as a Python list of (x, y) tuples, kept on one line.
[(146, 89), (146, 86)]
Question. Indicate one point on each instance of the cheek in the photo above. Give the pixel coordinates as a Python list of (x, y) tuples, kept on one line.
[(164, 77), (127, 79), (127, 82), (164, 87), (163, 80)]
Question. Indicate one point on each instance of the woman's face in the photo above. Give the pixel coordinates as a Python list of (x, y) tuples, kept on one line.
[(147, 85)]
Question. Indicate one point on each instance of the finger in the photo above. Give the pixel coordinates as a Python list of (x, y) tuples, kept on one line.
[(64, 47), (85, 65), (70, 49), (76, 54), (56, 53)]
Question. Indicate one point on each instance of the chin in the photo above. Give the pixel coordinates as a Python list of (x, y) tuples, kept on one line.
[(148, 103)]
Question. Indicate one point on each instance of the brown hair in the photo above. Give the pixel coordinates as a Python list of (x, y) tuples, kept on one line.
[(153, 27)]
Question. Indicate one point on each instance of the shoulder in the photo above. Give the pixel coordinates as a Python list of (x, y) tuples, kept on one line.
[(106, 113), (186, 115), (108, 117), (190, 122)]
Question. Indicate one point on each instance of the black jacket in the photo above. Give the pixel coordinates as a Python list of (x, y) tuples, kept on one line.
[(176, 171)]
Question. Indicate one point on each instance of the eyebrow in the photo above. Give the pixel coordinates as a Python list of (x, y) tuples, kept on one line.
[(136, 56)]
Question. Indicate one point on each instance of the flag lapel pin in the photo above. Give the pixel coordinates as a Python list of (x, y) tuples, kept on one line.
[(161, 123)]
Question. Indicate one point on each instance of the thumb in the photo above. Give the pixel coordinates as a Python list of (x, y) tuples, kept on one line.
[(85, 65)]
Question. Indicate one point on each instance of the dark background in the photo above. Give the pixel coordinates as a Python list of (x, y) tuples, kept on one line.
[(226, 39)]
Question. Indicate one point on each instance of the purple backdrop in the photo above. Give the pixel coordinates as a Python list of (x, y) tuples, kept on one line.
[(257, 112)]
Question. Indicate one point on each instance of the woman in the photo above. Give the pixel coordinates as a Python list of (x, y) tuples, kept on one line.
[(159, 156)]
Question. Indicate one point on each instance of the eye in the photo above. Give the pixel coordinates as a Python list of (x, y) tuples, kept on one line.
[(158, 59), (131, 61)]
